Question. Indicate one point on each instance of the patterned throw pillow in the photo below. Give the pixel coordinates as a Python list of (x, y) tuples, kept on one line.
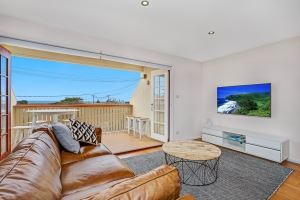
[(83, 132)]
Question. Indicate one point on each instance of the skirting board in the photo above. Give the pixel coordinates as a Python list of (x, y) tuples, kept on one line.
[(297, 161)]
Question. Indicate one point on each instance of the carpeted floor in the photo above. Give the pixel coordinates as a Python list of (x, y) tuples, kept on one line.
[(241, 177)]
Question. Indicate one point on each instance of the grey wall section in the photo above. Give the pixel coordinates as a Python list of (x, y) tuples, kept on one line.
[(279, 64)]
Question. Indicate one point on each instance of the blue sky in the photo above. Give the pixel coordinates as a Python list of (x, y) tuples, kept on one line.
[(34, 77), (243, 89)]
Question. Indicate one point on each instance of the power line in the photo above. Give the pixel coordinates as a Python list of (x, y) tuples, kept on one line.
[(50, 96), (85, 94), (34, 70), (73, 79), (122, 88)]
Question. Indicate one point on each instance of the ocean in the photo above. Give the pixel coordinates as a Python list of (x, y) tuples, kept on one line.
[(221, 101), (41, 102)]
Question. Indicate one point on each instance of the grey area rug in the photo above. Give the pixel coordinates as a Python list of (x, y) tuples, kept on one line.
[(241, 177)]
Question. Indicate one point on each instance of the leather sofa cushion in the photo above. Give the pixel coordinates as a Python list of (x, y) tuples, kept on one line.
[(90, 191), (162, 183), (89, 172), (32, 170), (86, 151)]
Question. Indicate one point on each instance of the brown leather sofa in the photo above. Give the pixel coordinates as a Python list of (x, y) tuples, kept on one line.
[(38, 169)]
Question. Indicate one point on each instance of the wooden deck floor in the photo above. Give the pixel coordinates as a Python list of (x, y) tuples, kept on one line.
[(123, 142), (289, 190)]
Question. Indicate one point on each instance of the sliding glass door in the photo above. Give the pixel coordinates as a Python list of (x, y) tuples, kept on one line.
[(5, 139)]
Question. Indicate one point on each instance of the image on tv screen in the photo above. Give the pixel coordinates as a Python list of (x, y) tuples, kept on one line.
[(250, 100)]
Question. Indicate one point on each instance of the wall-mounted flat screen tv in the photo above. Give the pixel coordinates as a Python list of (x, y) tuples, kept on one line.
[(250, 100)]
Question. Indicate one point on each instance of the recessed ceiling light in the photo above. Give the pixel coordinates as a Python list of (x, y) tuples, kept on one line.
[(211, 33), (145, 3)]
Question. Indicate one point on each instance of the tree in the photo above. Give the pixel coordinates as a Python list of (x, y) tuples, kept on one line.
[(71, 100), (22, 102), (248, 104)]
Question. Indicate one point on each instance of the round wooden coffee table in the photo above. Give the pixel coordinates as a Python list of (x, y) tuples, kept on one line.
[(197, 162)]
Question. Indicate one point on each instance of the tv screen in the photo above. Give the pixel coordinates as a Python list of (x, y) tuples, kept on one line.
[(250, 100)]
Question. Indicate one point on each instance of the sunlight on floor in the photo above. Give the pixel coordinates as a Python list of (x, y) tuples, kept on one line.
[(123, 142)]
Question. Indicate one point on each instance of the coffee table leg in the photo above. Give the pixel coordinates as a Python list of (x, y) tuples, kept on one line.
[(166, 159), (195, 173)]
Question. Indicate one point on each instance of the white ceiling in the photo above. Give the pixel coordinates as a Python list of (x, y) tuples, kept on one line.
[(175, 27)]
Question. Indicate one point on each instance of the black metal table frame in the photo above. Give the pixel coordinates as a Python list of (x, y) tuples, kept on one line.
[(195, 172)]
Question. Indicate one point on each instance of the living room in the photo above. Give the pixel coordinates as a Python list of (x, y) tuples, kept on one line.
[(206, 46)]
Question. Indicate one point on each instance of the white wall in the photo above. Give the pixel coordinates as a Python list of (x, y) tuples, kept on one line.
[(278, 64), (187, 101), (141, 98)]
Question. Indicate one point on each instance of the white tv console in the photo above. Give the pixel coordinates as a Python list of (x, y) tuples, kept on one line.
[(262, 145)]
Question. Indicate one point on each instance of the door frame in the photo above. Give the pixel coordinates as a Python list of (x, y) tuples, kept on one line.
[(6, 53), (166, 136)]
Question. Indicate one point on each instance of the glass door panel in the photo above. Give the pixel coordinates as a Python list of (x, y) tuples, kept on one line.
[(3, 134), (3, 85), (5, 102), (160, 105), (3, 105), (3, 144), (3, 66)]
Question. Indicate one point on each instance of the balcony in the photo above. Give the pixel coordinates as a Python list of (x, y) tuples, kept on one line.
[(110, 117), (107, 84)]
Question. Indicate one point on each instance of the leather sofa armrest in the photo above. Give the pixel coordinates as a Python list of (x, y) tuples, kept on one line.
[(187, 197), (98, 132), (162, 183)]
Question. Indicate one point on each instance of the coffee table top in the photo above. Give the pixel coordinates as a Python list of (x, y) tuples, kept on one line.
[(192, 150)]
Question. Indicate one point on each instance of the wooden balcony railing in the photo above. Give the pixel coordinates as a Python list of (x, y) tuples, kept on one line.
[(110, 117)]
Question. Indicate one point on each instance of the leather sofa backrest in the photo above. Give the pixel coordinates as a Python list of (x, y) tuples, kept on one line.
[(48, 129), (161, 183), (32, 170)]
